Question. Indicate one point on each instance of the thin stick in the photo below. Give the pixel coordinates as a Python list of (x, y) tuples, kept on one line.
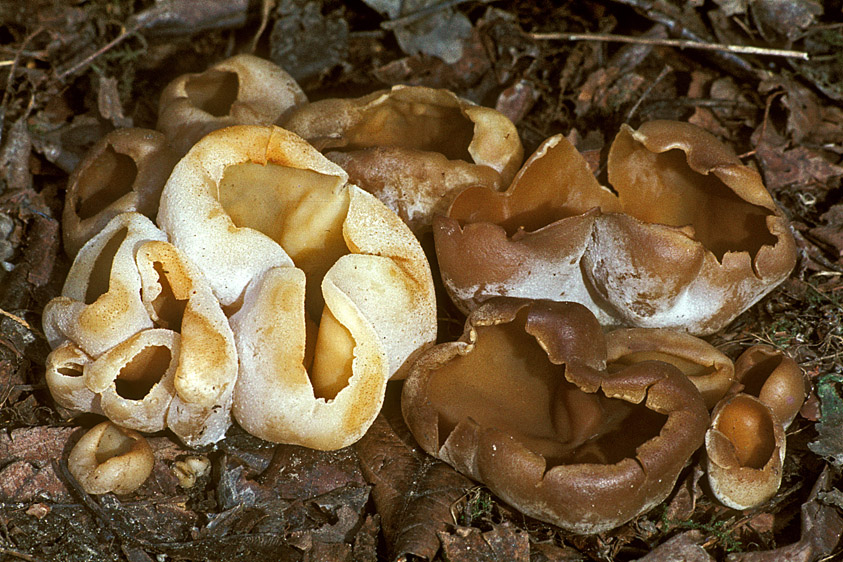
[(20, 321), (681, 43), (16, 554), (93, 56), (664, 72)]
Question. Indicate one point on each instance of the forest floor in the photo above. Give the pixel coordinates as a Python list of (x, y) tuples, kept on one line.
[(72, 71)]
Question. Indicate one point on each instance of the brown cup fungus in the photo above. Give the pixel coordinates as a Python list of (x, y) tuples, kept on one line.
[(745, 445), (413, 147), (745, 449), (329, 292), (139, 336), (524, 403), (241, 90), (689, 239), (774, 377), (710, 370), (109, 458), (125, 171)]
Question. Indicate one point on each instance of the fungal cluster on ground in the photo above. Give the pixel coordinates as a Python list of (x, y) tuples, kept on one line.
[(256, 260)]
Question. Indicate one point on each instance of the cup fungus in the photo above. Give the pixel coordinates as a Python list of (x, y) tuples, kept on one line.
[(689, 239), (710, 370), (139, 328), (100, 304), (413, 147), (745, 449), (329, 292), (65, 378), (241, 90), (774, 377), (745, 445), (523, 403), (109, 458), (123, 172)]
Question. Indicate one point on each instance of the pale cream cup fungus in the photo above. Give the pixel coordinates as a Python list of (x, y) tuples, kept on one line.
[(414, 147), (100, 304), (134, 379), (329, 292), (153, 344), (689, 239), (65, 371), (524, 404), (241, 90), (124, 171), (109, 458)]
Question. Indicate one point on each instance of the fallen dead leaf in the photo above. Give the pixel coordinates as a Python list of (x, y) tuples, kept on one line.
[(27, 475), (502, 543), (413, 492), (108, 103), (822, 526), (685, 547), (801, 166), (831, 232)]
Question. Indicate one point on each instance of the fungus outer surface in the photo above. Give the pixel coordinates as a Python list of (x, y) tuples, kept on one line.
[(689, 239), (109, 458)]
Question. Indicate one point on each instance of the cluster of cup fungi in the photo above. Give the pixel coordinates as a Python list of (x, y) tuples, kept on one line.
[(256, 260)]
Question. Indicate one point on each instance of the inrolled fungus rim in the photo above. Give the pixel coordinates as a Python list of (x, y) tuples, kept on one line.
[(265, 94), (331, 124), (485, 454), (711, 371), (774, 377), (152, 159), (378, 285), (742, 484), (413, 147)]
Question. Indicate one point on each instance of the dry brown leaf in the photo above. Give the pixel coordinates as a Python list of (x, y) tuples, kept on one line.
[(831, 232), (14, 158), (549, 552), (800, 166), (413, 492), (501, 544), (685, 547), (108, 103), (27, 473), (822, 526)]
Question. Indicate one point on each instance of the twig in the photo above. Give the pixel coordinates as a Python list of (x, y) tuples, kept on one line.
[(16, 554), (731, 62), (41, 55), (681, 43), (664, 72), (767, 105), (115, 525), (266, 9), (19, 320), (7, 92), (104, 49)]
